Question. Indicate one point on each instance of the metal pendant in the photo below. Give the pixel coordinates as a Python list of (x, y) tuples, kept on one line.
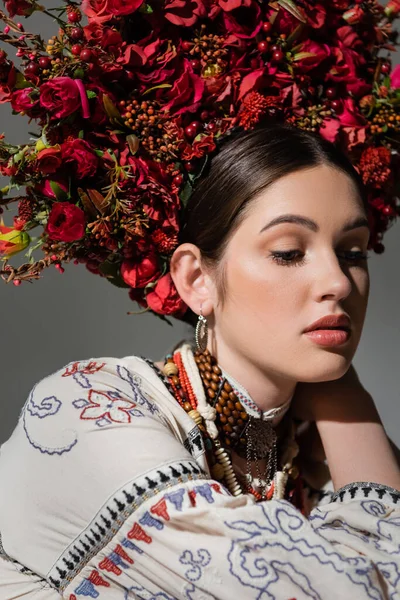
[(261, 437)]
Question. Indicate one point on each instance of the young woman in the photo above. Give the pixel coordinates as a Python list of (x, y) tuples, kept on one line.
[(183, 479)]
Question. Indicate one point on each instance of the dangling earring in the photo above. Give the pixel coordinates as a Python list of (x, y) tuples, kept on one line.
[(201, 334)]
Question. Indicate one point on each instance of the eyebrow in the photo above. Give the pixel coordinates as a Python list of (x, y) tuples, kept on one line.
[(312, 225)]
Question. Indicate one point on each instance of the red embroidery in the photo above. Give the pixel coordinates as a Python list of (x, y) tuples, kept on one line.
[(108, 565), (97, 579), (216, 487), (72, 597), (160, 509), (121, 552), (103, 405), (137, 533), (89, 369), (192, 496)]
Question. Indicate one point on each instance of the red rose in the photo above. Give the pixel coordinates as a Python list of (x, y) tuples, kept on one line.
[(66, 222), (244, 22), (186, 94), (164, 298), (181, 12), (139, 274), (49, 160), (79, 154), (106, 37), (8, 77), (21, 101), (60, 96), (21, 8), (395, 77), (103, 10), (309, 55)]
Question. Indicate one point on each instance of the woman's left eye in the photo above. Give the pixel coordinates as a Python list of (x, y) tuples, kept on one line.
[(297, 258)]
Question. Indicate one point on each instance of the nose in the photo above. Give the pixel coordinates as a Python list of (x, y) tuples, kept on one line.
[(333, 278)]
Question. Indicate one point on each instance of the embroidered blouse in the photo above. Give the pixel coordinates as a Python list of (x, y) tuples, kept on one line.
[(105, 492)]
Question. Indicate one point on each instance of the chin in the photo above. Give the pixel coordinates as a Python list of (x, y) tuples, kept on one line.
[(328, 368)]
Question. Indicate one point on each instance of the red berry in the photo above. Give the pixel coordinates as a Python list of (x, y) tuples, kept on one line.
[(76, 33), (388, 211), (74, 16), (86, 55), (385, 68), (266, 26), (275, 47), (177, 180), (17, 282), (277, 56), (54, 257), (76, 49), (337, 105), (212, 127), (204, 115), (32, 68), (379, 248), (331, 92), (192, 130), (262, 46), (195, 64), (190, 166), (44, 62), (186, 46)]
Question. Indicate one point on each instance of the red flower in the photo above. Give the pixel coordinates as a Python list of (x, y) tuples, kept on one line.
[(106, 37), (49, 160), (60, 96), (205, 145), (314, 55), (139, 274), (21, 101), (21, 8), (80, 156), (66, 222), (182, 12), (244, 22), (186, 94), (99, 11), (395, 77), (164, 298)]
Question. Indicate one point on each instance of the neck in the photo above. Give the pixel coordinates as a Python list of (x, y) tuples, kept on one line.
[(267, 390)]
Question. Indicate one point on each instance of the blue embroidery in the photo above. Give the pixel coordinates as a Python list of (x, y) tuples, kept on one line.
[(176, 498), (206, 491), (150, 521), (128, 544), (48, 406), (196, 564), (82, 380), (138, 396), (86, 588)]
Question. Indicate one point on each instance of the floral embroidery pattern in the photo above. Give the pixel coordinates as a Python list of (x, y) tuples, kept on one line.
[(107, 407)]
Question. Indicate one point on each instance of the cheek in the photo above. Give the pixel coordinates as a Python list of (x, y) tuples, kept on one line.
[(261, 285)]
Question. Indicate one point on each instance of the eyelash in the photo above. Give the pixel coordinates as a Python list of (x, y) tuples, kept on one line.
[(282, 258)]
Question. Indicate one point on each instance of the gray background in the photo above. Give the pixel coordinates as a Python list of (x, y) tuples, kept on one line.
[(77, 315)]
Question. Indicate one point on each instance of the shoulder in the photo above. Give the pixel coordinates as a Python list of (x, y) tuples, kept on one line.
[(104, 390)]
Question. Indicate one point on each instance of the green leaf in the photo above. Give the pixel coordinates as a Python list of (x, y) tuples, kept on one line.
[(60, 194), (21, 82), (156, 87), (146, 9), (110, 108), (294, 10), (112, 271), (185, 193), (91, 94)]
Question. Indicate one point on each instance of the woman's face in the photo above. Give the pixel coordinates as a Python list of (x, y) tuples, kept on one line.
[(268, 305)]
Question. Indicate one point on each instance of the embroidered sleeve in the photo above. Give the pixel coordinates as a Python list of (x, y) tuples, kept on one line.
[(195, 541), (112, 505)]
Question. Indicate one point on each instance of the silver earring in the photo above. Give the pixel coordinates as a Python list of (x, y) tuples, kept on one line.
[(201, 334)]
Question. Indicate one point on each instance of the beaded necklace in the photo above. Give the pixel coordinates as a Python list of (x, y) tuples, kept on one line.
[(226, 426)]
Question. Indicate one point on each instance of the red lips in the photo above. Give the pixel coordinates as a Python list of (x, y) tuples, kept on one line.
[(341, 321)]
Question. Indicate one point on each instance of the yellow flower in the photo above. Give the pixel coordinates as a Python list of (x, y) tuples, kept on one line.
[(12, 240)]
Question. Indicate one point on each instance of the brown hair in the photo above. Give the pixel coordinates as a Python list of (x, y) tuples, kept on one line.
[(246, 163)]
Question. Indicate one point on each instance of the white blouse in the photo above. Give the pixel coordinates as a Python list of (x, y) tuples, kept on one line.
[(105, 493)]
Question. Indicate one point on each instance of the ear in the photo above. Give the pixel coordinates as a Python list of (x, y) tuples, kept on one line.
[(192, 281)]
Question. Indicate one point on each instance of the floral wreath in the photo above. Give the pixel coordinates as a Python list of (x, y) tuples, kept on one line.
[(132, 105)]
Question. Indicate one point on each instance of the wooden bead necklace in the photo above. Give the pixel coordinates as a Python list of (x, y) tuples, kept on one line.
[(237, 429)]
